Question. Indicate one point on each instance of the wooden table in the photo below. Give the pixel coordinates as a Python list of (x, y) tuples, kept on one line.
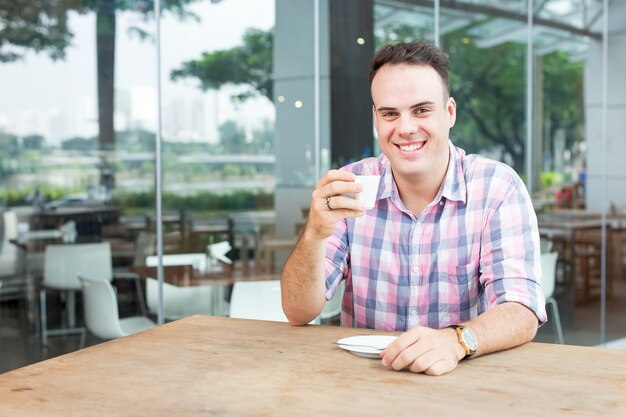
[(565, 228), (227, 367), (187, 276)]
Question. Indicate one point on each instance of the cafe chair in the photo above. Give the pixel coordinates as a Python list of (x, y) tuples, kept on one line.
[(247, 236), (548, 266), (178, 301), (258, 300), (145, 245), (332, 308), (62, 263), (14, 282), (588, 247), (269, 248), (545, 244), (101, 312)]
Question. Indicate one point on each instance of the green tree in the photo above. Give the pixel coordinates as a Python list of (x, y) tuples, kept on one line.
[(9, 150), (37, 25), (135, 140), (249, 64), (232, 138), (79, 144), (33, 142)]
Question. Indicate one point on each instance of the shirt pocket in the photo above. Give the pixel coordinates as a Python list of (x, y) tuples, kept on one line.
[(455, 289)]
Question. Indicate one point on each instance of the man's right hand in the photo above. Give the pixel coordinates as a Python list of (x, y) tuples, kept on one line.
[(328, 205)]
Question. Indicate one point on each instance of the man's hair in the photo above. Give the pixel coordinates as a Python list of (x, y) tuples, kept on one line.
[(417, 52)]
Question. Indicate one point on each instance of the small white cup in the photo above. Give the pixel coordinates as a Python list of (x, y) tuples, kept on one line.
[(367, 196)]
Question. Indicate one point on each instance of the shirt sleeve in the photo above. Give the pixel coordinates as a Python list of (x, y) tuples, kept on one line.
[(337, 258), (510, 257)]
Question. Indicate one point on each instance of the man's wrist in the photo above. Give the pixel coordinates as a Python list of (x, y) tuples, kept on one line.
[(466, 338), (454, 339)]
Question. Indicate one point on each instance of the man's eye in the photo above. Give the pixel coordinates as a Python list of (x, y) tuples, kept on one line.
[(422, 110), (389, 114)]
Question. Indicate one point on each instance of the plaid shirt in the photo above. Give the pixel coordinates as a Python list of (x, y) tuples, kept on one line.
[(474, 246)]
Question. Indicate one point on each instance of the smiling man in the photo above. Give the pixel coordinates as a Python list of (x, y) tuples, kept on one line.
[(450, 252)]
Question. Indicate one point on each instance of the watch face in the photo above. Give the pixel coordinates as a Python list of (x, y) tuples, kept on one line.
[(469, 339)]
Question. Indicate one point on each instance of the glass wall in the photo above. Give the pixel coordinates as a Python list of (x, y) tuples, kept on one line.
[(258, 98)]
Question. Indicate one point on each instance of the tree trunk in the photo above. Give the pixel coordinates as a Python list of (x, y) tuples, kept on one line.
[(105, 50)]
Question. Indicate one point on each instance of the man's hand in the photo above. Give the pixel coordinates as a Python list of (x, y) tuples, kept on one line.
[(328, 206), (433, 352)]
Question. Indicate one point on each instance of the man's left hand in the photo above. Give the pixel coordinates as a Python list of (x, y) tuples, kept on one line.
[(421, 349)]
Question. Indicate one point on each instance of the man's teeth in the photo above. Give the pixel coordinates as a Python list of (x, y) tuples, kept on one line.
[(409, 148)]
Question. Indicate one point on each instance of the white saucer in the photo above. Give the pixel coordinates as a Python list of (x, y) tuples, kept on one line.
[(366, 346)]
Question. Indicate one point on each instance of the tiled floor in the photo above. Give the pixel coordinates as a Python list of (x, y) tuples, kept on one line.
[(19, 346)]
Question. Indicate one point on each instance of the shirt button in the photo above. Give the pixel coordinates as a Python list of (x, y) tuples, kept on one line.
[(416, 269), (441, 203)]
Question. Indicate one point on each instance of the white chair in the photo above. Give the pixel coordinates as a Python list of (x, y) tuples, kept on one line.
[(179, 302), (144, 246), (258, 300), (545, 244), (101, 312), (15, 283), (332, 308), (548, 266), (62, 264)]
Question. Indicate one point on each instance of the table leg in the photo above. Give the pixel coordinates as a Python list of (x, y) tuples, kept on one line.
[(71, 309)]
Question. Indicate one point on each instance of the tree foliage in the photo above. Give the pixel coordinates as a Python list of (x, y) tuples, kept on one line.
[(37, 25), (232, 138), (249, 64)]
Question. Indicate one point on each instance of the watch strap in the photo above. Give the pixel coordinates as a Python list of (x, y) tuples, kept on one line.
[(459, 334)]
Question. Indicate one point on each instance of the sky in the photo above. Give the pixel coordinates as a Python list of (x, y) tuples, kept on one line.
[(58, 99)]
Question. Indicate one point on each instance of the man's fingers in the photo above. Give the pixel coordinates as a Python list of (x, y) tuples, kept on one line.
[(340, 202), (403, 341), (335, 175), (423, 362)]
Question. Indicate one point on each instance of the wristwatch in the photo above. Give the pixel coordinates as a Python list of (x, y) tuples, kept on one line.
[(466, 339)]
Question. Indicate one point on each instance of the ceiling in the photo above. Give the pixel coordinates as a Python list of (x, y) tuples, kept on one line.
[(558, 25)]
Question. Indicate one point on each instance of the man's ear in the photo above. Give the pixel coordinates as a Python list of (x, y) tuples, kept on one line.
[(451, 110), (374, 114)]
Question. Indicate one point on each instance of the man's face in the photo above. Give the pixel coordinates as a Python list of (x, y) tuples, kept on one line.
[(413, 117)]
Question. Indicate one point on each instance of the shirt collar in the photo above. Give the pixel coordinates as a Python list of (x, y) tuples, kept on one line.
[(453, 187)]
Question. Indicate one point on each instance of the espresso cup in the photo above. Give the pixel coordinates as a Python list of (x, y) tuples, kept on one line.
[(367, 196)]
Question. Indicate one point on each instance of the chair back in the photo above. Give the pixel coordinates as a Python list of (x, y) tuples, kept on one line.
[(197, 260), (179, 302), (8, 251), (145, 245), (545, 244), (259, 300), (332, 308), (62, 263), (548, 267), (100, 306)]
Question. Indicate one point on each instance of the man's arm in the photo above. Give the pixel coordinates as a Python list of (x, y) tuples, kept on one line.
[(302, 280), (436, 352)]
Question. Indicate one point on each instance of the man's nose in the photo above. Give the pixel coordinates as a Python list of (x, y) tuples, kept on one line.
[(407, 125)]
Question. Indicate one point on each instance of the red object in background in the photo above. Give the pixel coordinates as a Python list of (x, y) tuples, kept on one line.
[(564, 197)]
